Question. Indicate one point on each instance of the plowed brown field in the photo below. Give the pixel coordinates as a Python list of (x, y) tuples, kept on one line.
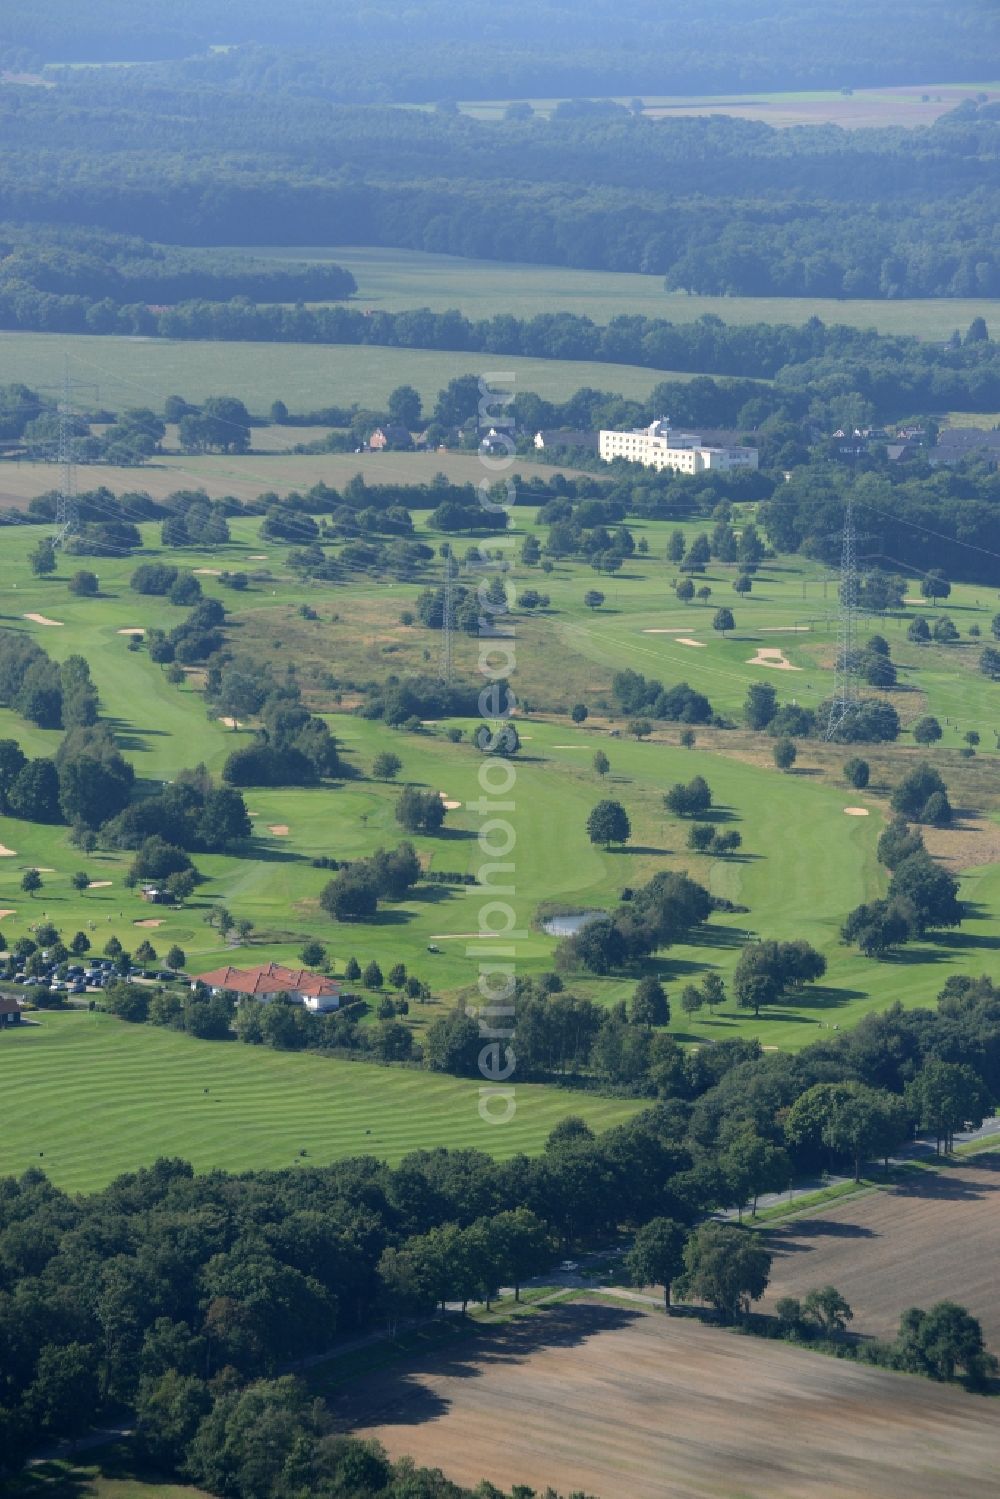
[(934, 1237), (628, 1404)]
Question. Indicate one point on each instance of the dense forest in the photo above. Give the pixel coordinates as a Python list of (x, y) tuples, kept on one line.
[(441, 49), (714, 205)]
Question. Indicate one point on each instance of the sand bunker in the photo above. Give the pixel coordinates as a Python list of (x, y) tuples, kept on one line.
[(148, 922), (672, 630), (40, 619), (207, 572), (43, 869), (856, 811), (570, 746), (772, 656), (447, 802), (7, 853), (698, 644), (230, 723), (99, 885), (7, 913), (279, 829), (258, 557), (132, 630), (460, 936)]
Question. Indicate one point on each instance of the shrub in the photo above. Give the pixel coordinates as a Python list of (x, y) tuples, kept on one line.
[(857, 773)]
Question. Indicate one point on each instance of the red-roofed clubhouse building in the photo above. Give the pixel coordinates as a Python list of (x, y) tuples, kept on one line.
[(310, 989)]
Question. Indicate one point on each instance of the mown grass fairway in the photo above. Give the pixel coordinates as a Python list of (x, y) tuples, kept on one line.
[(87, 1097), (395, 280)]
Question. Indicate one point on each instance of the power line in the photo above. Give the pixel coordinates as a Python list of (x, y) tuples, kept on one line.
[(67, 506), (448, 623), (844, 701)]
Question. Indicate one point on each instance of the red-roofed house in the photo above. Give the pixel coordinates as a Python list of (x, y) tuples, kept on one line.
[(310, 989)]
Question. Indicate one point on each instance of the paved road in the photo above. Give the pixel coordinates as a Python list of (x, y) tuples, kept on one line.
[(920, 1149)]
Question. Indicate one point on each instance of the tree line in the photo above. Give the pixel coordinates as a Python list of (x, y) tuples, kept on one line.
[(118, 269), (432, 55), (168, 1294), (895, 373), (774, 212)]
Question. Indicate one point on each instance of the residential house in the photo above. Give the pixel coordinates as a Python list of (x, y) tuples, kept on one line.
[(391, 436), (566, 437), (498, 443), (957, 443)]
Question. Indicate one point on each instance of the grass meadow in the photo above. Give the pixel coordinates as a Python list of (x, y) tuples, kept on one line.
[(394, 280), (120, 372), (111, 1472)]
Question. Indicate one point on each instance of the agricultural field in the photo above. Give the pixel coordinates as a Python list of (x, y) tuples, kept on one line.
[(609, 1399), (856, 109), (392, 280), (898, 1246), (145, 371), (247, 476), (793, 888), (88, 1097)]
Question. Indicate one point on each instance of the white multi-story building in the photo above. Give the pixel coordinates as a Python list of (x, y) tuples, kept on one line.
[(659, 446)]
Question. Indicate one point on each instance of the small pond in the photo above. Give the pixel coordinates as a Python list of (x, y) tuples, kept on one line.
[(569, 924)]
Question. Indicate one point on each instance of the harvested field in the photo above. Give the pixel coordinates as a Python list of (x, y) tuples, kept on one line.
[(627, 1404), (246, 476), (931, 1238), (901, 105)]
